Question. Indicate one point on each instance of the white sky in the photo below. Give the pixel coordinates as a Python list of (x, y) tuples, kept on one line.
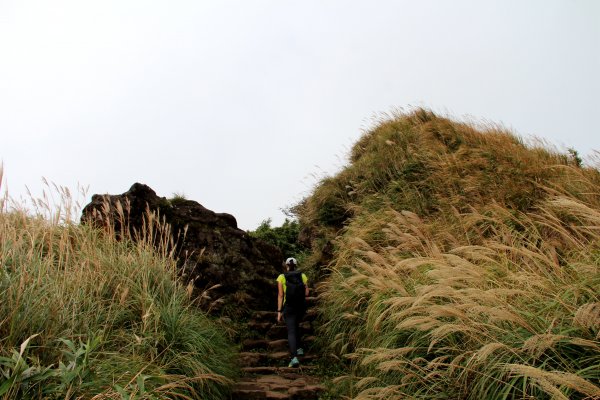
[(240, 104)]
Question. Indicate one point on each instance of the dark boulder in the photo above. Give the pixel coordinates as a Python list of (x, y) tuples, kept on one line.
[(210, 248)]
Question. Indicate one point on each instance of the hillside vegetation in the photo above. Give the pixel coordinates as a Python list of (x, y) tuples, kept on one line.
[(466, 265), (83, 315)]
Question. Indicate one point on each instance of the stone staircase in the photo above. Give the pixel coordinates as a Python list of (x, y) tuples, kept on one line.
[(264, 358)]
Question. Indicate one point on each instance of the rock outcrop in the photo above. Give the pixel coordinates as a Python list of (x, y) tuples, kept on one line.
[(210, 248)]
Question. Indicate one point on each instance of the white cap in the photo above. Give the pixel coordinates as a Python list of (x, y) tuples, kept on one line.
[(291, 260)]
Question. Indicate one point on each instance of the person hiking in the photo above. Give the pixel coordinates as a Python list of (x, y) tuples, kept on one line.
[(292, 290)]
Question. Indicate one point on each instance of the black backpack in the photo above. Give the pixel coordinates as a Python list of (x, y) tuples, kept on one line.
[(295, 292)]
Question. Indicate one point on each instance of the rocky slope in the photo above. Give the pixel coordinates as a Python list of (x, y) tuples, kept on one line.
[(211, 249)]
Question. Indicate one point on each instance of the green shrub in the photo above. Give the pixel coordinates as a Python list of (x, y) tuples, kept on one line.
[(285, 237)]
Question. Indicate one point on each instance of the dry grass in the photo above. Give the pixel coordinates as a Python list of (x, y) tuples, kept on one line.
[(474, 276), (463, 315), (83, 315)]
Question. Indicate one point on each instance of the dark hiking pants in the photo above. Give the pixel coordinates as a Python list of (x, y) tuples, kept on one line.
[(292, 321)]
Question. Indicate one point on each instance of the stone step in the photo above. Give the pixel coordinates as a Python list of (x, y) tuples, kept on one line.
[(272, 383), (271, 316), (292, 375), (278, 356), (273, 345), (267, 370), (294, 386), (255, 344), (306, 393), (296, 393), (311, 392), (256, 359), (259, 395), (285, 355), (251, 359), (278, 331), (275, 330), (247, 384), (260, 327), (265, 316), (282, 344), (243, 394), (263, 360), (277, 395)]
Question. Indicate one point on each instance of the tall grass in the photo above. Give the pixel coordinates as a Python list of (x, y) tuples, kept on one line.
[(508, 317), (462, 282), (83, 315), (431, 165)]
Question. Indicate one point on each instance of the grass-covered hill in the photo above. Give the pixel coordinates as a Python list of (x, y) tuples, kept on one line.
[(84, 316), (461, 263), (466, 265)]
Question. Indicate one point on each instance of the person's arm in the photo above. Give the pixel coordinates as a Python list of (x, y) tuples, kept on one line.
[(279, 300), (305, 280)]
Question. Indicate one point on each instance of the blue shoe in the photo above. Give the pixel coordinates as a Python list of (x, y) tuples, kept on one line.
[(300, 351), (294, 363)]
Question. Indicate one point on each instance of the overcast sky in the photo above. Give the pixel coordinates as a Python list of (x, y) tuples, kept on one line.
[(243, 105)]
